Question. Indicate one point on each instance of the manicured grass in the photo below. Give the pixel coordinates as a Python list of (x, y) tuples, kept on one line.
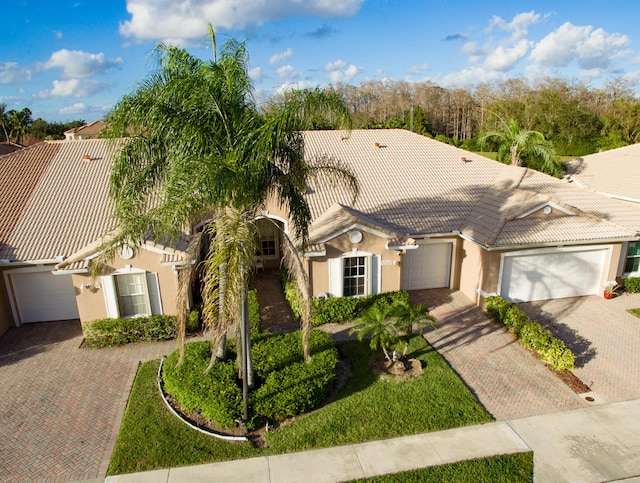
[(635, 312), (366, 408), (511, 468)]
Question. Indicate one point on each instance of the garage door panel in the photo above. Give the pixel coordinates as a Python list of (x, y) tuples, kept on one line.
[(428, 266), (44, 297), (552, 275)]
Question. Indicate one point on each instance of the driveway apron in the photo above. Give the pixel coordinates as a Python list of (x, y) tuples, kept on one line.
[(604, 337), (61, 404), (507, 379)]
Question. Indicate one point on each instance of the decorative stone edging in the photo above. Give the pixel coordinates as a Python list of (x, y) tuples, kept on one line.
[(186, 421)]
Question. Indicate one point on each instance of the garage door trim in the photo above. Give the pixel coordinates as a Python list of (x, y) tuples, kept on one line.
[(608, 249), (449, 261), (13, 300)]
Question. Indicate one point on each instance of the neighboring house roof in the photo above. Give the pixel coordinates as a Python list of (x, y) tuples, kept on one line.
[(6, 148), (88, 131), (413, 185), (615, 173)]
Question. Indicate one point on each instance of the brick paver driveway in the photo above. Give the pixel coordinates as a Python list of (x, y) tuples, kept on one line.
[(507, 379), (604, 337), (61, 404)]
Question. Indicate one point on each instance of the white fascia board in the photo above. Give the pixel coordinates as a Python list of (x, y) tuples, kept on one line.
[(356, 226), (553, 205)]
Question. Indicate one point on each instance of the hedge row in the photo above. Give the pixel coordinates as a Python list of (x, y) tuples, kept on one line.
[(533, 336), (113, 332), (338, 309), (286, 385), (632, 284)]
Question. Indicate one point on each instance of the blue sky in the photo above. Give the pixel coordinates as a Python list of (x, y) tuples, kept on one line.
[(74, 59)]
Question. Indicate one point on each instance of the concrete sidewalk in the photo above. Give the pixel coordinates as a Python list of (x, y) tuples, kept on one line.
[(594, 444)]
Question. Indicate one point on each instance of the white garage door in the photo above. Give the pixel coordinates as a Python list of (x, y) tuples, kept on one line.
[(44, 297), (428, 266), (552, 275)]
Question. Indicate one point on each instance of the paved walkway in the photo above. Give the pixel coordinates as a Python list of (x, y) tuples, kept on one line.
[(507, 379), (62, 405), (594, 444), (604, 337)]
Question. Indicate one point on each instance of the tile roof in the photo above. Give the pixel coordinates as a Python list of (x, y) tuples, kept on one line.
[(415, 186), (20, 173), (69, 209), (615, 172), (88, 131)]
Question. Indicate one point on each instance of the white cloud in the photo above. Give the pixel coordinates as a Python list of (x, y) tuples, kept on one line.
[(13, 73), (418, 69), (590, 48), (74, 88), (467, 77), (287, 72), (78, 64), (58, 34), (290, 86), (77, 108), (504, 58), (276, 58), (339, 71), (256, 74), (519, 25), (188, 19)]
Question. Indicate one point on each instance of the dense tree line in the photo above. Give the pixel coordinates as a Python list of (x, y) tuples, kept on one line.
[(576, 118), (16, 126)]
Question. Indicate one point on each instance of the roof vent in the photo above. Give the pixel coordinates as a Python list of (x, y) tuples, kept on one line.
[(463, 160), (86, 158), (377, 145)]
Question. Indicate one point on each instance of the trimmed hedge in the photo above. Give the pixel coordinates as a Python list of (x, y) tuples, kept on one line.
[(113, 332), (337, 309), (632, 284), (532, 335), (255, 321), (286, 385), (215, 393)]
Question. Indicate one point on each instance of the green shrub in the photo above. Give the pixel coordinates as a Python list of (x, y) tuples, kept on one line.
[(194, 322), (290, 385), (286, 385), (113, 332), (215, 393), (255, 321), (632, 284), (533, 336)]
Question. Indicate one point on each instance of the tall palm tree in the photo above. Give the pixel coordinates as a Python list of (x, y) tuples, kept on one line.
[(200, 153), (20, 121), (518, 147)]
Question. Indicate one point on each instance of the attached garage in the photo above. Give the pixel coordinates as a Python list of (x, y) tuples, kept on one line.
[(553, 273), (428, 266), (40, 296)]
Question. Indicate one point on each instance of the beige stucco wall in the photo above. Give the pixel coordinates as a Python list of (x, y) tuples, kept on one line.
[(390, 261), (91, 303)]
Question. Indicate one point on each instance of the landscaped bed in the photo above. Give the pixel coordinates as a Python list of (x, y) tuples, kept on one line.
[(366, 408)]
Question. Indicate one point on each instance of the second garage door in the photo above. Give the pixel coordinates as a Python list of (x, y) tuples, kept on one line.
[(428, 266), (44, 297), (552, 274)]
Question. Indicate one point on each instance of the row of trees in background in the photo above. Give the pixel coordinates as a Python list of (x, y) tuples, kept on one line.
[(17, 126), (576, 118)]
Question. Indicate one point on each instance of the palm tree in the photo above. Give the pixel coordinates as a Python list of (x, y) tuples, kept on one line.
[(199, 153), (518, 146), (375, 323), (407, 317), (4, 120), (19, 122)]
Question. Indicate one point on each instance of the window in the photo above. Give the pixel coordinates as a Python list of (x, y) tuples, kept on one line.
[(355, 280), (633, 257), (131, 289), (268, 239)]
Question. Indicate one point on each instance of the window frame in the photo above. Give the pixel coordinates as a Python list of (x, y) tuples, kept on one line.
[(120, 297), (635, 257)]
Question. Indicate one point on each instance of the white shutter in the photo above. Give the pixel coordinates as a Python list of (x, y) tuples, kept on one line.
[(110, 296), (335, 277), (375, 274), (154, 293)]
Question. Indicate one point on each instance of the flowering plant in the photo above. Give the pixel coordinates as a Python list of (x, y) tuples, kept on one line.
[(610, 287)]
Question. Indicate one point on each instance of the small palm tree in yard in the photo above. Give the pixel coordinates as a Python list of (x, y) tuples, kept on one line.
[(388, 326)]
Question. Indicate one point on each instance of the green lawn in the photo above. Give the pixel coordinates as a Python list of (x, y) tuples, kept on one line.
[(511, 468), (635, 312), (367, 408)]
